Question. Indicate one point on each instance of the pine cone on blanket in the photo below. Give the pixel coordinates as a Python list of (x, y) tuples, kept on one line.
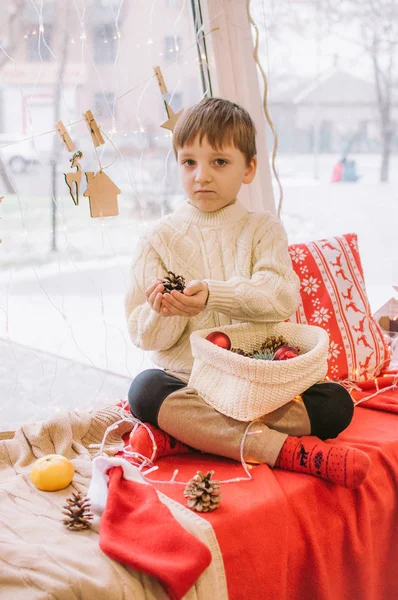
[(77, 511), (202, 493), (173, 282)]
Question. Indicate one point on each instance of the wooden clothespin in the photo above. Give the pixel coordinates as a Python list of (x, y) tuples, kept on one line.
[(93, 128), (172, 117), (159, 77), (64, 135)]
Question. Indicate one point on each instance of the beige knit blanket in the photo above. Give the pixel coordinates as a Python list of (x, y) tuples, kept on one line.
[(39, 558)]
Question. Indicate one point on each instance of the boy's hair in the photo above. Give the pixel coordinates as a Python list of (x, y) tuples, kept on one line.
[(222, 122)]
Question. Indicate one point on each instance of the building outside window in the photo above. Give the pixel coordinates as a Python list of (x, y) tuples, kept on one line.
[(73, 268), (39, 45), (101, 100), (105, 43)]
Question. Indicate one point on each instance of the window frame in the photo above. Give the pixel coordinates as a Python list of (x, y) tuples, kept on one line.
[(233, 74)]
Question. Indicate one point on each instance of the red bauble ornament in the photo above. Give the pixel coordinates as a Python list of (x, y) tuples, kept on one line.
[(219, 339), (285, 352)]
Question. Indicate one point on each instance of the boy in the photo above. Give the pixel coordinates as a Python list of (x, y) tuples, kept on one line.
[(237, 268)]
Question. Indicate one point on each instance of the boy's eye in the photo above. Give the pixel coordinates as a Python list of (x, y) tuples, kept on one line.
[(189, 162), (220, 162)]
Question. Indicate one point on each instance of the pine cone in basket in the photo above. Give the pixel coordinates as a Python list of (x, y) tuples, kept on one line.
[(272, 343), (173, 282), (77, 511), (241, 352), (202, 493), (267, 349)]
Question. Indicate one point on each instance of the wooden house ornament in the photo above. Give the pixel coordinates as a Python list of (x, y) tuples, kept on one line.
[(102, 194)]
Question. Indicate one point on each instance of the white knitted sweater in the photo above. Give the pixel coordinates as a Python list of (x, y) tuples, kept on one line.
[(242, 256)]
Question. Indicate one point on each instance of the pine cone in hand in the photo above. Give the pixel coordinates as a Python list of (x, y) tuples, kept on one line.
[(77, 511), (173, 282), (203, 495)]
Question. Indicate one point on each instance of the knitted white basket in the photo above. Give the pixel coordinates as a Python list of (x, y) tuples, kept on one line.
[(245, 388)]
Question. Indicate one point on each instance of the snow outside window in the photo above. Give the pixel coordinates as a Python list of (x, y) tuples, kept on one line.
[(63, 339), (331, 99)]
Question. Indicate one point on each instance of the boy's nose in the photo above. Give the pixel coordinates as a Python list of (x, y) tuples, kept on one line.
[(202, 175)]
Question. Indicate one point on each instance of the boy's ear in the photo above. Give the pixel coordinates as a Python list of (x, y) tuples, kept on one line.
[(250, 170)]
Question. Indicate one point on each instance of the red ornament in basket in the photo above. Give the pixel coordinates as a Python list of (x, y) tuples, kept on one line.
[(219, 339), (286, 352)]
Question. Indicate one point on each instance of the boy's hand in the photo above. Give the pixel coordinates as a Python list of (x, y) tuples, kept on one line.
[(154, 295), (189, 304)]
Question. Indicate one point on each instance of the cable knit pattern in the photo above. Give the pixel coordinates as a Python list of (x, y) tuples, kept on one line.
[(242, 256), (247, 389)]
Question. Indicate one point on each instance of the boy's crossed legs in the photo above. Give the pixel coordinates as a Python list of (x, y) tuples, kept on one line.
[(282, 439)]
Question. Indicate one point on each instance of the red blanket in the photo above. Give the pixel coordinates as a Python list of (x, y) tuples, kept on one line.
[(387, 400), (289, 536)]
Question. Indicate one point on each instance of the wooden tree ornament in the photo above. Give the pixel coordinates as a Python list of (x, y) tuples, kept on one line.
[(102, 194), (73, 179)]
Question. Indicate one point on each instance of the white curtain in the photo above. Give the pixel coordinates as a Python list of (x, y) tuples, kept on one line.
[(234, 77)]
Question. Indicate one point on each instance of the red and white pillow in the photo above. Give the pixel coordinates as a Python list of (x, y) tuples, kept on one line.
[(333, 296)]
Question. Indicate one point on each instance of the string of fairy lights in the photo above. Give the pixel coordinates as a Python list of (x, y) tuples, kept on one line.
[(178, 56), (145, 464)]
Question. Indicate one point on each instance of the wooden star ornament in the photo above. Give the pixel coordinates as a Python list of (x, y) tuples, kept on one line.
[(173, 117)]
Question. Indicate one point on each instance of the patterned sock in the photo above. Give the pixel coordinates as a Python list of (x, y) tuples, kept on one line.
[(140, 441), (345, 466)]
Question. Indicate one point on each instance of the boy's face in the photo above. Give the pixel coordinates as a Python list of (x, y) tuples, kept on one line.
[(212, 178)]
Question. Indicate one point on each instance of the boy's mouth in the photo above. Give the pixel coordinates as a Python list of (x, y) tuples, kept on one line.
[(204, 192)]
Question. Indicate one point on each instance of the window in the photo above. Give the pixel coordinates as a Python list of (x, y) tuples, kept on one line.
[(105, 42), (63, 274), (324, 101), (101, 100), (1, 112), (175, 100), (172, 47), (39, 45)]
